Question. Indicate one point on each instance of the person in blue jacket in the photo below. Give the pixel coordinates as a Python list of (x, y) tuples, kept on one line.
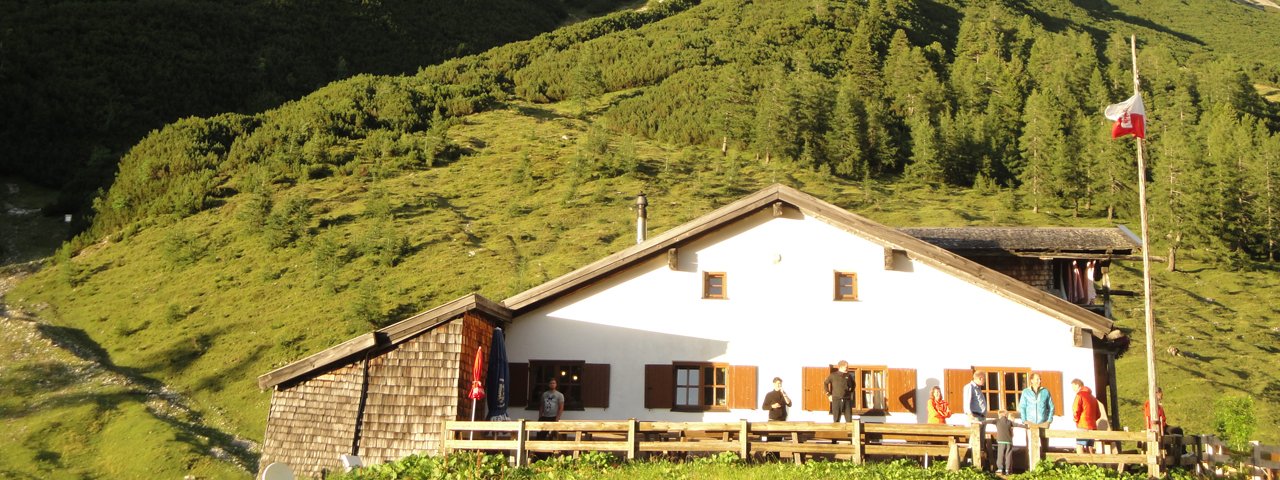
[(1036, 405)]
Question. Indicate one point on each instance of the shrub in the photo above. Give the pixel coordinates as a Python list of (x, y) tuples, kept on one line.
[(288, 222), (181, 248), (1234, 419)]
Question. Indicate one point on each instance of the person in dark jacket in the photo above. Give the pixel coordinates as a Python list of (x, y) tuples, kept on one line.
[(777, 402), (839, 387), (1004, 443)]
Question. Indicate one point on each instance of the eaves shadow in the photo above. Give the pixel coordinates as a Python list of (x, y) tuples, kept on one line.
[(1101, 10)]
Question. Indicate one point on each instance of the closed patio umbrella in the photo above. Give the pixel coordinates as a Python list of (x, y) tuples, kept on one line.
[(499, 378)]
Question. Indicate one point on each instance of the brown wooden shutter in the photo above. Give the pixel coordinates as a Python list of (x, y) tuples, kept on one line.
[(815, 398), (595, 385), (742, 386), (953, 382), (519, 384), (1053, 382), (902, 390), (659, 386)]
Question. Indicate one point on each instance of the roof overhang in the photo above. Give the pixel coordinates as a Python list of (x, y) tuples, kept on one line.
[(386, 337)]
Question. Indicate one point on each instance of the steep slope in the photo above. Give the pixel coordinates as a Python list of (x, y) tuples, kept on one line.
[(85, 79)]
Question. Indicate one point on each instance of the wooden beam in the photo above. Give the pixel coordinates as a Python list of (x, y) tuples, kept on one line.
[(673, 258), (777, 209)]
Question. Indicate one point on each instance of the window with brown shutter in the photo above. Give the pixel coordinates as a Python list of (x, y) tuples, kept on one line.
[(701, 386), (815, 398), (569, 377), (743, 386), (1052, 381), (902, 390), (595, 387), (659, 386), (953, 382), (519, 393)]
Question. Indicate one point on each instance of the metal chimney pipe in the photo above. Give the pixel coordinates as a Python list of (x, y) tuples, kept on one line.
[(642, 217)]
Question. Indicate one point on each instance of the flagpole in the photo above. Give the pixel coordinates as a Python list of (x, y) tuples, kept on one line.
[(1146, 264)]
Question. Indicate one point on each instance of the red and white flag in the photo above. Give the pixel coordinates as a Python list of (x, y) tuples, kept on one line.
[(1130, 117)]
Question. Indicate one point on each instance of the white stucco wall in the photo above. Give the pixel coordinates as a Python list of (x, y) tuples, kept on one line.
[(780, 317)]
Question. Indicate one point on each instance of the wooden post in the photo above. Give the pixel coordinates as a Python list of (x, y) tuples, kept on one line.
[(975, 444), (1153, 454), (744, 438), (522, 457), (953, 454), (1150, 340), (855, 440), (1034, 453), (796, 456), (633, 439)]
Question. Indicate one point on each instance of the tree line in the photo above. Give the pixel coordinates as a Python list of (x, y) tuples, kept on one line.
[(985, 96)]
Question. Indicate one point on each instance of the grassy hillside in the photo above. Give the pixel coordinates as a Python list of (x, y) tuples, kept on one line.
[(206, 323), (234, 244)]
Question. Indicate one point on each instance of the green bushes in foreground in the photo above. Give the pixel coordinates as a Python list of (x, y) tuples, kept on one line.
[(724, 465)]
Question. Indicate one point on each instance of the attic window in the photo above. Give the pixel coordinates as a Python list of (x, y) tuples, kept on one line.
[(713, 285), (846, 286)]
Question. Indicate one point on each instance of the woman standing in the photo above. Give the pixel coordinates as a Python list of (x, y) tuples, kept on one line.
[(939, 410)]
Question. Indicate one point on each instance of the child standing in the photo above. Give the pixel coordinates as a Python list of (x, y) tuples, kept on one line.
[(1004, 443)]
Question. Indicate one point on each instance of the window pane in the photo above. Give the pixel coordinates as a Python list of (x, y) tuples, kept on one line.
[(720, 376), (693, 377), (707, 395), (682, 376), (721, 398)]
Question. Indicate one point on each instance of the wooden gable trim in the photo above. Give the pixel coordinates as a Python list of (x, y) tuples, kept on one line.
[(890, 238), (387, 337), (323, 358), (707, 223), (410, 327)]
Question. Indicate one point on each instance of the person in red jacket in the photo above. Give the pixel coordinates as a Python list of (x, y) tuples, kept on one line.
[(1085, 413), (1161, 424)]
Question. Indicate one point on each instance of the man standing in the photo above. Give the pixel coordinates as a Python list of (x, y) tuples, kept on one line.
[(975, 400), (839, 387), (1085, 412), (777, 402), (1036, 405), (551, 406)]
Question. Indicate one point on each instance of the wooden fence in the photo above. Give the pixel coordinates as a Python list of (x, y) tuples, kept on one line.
[(1206, 454), (635, 439)]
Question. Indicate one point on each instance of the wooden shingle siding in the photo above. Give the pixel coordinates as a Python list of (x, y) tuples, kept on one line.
[(413, 388), (1032, 271), (314, 421)]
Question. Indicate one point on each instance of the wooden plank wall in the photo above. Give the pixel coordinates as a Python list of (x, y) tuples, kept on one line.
[(412, 390), (314, 421)]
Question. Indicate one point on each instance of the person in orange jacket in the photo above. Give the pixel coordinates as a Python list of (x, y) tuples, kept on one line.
[(939, 410), (1085, 412)]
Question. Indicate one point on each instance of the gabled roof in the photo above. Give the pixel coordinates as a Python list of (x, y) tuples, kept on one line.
[(888, 237), (385, 337), (1067, 242)]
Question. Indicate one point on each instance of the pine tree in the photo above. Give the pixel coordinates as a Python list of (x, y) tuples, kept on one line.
[(846, 138), (1265, 183), (926, 162), (1041, 140), (1223, 157), (775, 130), (911, 83)]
